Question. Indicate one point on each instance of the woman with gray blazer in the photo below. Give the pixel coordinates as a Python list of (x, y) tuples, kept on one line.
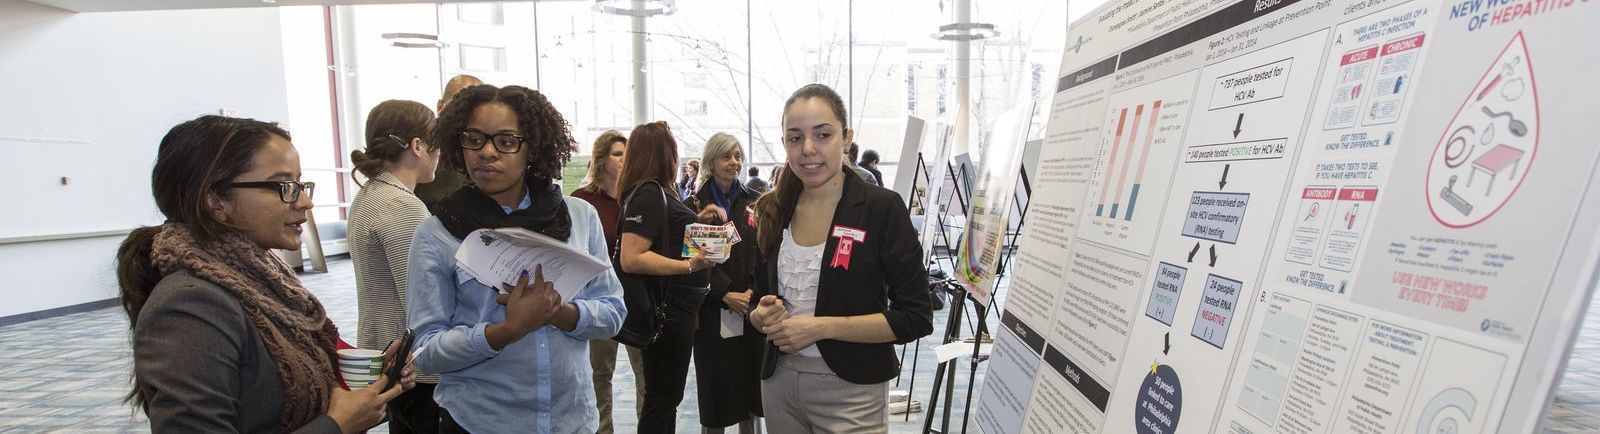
[(225, 338)]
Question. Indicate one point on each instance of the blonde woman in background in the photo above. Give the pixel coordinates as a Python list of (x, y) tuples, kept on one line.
[(605, 168)]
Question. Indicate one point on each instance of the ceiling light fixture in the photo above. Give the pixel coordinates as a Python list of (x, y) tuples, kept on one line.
[(413, 40), (966, 32), (636, 8)]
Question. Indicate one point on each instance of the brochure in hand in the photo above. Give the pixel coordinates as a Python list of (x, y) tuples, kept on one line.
[(715, 241)]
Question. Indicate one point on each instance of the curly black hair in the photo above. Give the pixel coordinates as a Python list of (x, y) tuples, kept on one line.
[(549, 137)]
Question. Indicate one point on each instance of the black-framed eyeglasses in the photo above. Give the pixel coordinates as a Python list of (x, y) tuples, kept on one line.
[(288, 191), (505, 143)]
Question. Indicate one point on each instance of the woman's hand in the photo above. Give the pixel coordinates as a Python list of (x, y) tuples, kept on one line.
[(360, 410), (795, 333), (408, 376), (768, 314), (712, 215), (738, 302), (530, 305), (699, 262)]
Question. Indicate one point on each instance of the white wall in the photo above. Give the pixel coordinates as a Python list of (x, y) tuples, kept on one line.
[(88, 96)]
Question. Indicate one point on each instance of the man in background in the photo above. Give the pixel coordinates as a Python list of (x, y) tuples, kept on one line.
[(869, 161), (755, 182), (445, 180), (850, 160)]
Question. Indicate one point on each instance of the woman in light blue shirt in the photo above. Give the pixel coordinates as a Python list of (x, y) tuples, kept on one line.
[(516, 362)]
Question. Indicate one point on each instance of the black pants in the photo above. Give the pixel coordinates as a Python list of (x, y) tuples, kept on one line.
[(414, 411), (447, 425), (666, 363)]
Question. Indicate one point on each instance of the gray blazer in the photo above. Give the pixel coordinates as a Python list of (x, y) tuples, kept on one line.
[(203, 365)]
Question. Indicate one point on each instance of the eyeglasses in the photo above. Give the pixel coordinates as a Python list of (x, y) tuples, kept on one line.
[(288, 191), (505, 143)]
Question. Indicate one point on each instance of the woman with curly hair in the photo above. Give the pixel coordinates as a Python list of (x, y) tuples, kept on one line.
[(514, 362)]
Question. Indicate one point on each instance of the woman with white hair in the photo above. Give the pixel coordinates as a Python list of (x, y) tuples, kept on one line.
[(727, 369)]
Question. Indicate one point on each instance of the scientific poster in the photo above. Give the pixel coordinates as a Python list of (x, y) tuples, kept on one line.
[(1305, 216)]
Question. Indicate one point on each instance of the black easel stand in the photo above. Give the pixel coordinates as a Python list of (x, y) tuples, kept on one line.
[(945, 377)]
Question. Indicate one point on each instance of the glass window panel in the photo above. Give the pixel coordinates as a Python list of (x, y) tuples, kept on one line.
[(481, 13), (698, 66), (483, 59), (797, 43), (585, 70), (887, 54)]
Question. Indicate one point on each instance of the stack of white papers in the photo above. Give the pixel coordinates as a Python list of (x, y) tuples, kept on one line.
[(496, 256), (732, 324)]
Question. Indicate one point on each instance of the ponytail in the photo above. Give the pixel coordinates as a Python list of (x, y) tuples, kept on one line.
[(390, 127), (137, 275), (363, 165), (774, 210)]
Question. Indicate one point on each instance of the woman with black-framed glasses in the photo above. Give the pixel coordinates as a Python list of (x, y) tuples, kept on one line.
[(288, 191), (517, 362), (225, 338)]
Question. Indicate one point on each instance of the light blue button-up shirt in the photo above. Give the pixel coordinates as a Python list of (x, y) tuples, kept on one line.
[(541, 383)]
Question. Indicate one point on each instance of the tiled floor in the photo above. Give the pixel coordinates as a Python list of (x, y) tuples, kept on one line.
[(69, 374)]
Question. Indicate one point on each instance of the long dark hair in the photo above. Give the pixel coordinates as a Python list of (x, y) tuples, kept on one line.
[(774, 209), (194, 157), (652, 155), (390, 127), (549, 138)]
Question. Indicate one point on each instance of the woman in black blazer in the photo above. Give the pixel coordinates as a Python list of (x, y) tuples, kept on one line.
[(841, 280)]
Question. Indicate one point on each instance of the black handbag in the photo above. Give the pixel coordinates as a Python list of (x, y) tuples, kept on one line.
[(642, 295)]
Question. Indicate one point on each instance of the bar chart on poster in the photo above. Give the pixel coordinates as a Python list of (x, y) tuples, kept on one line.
[(1253, 223), (1143, 125)]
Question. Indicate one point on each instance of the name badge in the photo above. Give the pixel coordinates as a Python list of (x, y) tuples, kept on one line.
[(848, 237)]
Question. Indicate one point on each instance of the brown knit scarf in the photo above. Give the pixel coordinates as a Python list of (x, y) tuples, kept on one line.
[(297, 332)]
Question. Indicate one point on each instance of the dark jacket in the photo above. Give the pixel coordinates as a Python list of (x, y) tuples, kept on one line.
[(204, 366), (885, 274), (738, 270), (727, 370)]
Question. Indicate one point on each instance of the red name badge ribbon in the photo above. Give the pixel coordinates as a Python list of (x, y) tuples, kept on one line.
[(848, 237)]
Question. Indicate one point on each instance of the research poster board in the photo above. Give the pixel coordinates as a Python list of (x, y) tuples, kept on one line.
[(910, 154), (989, 214), (926, 190), (1306, 216)]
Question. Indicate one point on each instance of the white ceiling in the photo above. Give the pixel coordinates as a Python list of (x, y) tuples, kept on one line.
[(151, 5)]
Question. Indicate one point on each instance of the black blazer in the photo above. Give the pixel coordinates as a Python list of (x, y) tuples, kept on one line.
[(884, 274)]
